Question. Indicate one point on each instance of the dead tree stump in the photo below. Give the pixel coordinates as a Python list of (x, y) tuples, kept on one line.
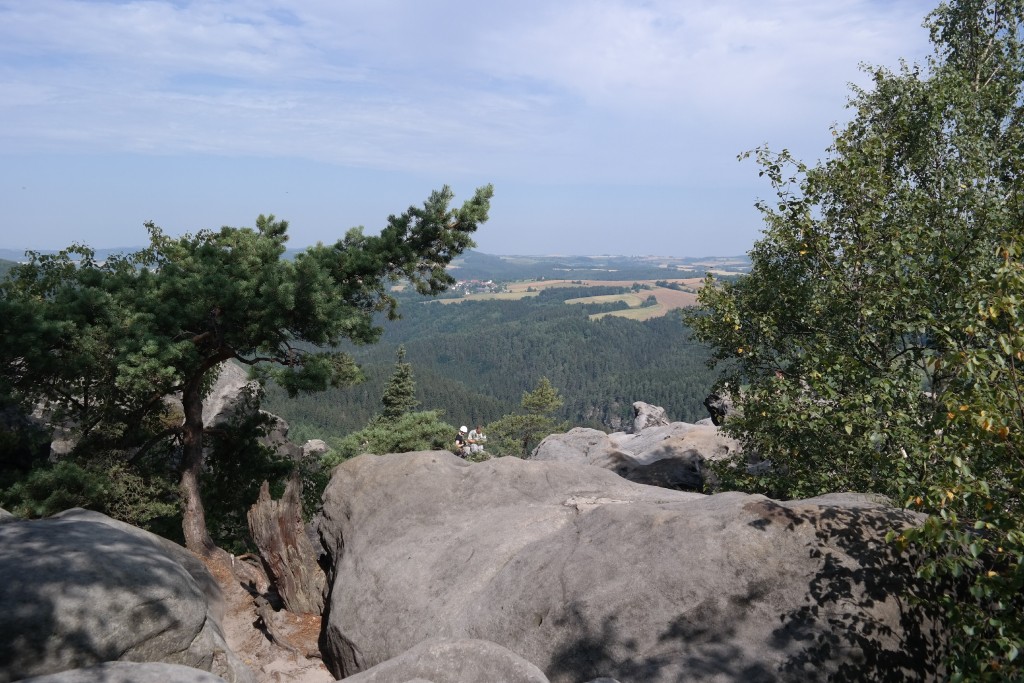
[(278, 531)]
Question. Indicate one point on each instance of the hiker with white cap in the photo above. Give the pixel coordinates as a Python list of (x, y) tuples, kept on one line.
[(461, 449)]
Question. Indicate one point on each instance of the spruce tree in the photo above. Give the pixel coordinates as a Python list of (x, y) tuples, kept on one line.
[(400, 393)]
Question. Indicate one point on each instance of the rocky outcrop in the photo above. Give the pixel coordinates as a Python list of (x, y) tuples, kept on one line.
[(314, 448), (453, 661), (645, 415), (128, 672), (672, 455), (81, 589), (587, 575), (720, 406), (233, 396), (229, 396)]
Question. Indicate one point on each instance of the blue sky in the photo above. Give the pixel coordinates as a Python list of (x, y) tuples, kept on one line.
[(606, 126)]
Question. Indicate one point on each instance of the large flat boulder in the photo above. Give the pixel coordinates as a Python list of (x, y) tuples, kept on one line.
[(453, 661), (129, 672), (81, 589), (587, 575)]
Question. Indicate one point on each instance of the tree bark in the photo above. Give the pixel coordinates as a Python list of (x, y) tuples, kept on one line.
[(193, 513), (279, 533)]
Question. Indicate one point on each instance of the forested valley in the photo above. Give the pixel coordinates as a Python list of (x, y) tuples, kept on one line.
[(474, 360)]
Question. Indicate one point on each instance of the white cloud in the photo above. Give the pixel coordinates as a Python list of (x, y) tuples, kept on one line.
[(633, 92), (417, 81)]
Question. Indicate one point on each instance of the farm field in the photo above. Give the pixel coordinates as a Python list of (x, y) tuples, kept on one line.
[(668, 299)]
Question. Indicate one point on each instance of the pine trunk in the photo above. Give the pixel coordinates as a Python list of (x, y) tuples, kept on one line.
[(193, 514)]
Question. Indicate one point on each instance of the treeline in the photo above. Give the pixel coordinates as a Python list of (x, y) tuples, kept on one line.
[(473, 360), (474, 265), (5, 267)]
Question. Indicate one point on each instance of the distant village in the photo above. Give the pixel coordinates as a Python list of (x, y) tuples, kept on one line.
[(463, 287)]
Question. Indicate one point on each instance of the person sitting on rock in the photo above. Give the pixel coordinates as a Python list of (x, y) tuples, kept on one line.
[(461, 442), (477, 439)]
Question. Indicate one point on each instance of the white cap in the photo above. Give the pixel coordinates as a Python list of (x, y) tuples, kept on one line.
[(463, 428)]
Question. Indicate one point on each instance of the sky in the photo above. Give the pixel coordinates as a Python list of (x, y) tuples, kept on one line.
[(605, 126)]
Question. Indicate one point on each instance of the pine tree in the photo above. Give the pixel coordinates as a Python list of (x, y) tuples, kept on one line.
[(102, 341)]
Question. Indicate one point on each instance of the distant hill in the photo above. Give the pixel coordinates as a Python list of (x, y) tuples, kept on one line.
[(475, 265), (18, 255), (5, 267)]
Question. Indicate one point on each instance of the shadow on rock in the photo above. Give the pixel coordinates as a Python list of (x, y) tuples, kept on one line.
[(845, 631), (77, 593)]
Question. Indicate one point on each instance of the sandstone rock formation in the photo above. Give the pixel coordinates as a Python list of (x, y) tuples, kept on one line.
[(671, 455), (720, 406), (453, 661), (232, 395), (80, 589), (587, 575), (645, 415), (129, 672)]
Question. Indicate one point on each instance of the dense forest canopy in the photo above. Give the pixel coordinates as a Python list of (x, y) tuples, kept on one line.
[(474, 360)]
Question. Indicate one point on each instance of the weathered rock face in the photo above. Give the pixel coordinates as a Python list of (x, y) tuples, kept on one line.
[(232, 396), (453, 661), (128, 672), (720, 406), (80, 589), (587, 575), (229, 395), (314, 448), (670, 455), (645, 415)]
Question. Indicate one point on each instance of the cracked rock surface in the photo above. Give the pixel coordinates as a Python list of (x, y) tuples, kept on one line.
[(586, 575)]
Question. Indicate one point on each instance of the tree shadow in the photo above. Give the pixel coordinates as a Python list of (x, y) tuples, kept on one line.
[(67, 588), (860, 621), (856, 624), (688, 645)]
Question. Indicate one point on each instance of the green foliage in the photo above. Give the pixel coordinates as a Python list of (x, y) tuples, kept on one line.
[(420, 431), (400, 392), (107, 484), (976, 482), (6, 267), (519, 434), (101, 342), (236, 465), (878, 337)]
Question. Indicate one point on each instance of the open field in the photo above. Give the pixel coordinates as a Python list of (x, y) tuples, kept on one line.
[(692, 283), (631, 300), (668, 299), (500, 296)]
